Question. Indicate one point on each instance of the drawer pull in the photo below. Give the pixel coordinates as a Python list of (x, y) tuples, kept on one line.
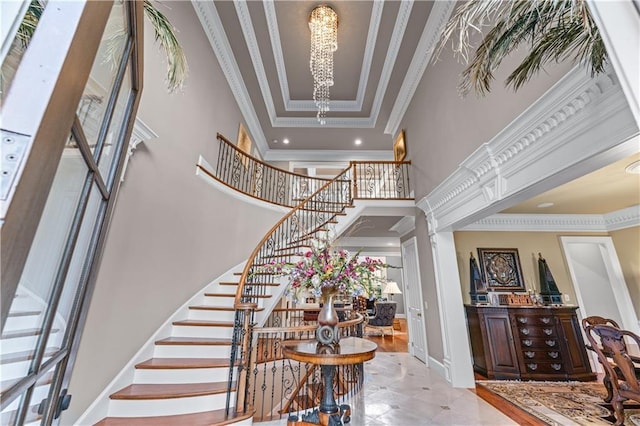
[(556, 367), (524, 331), (527, 342), (551, 343), (553, 355), (545, 320), (529, 354), (532, 366), (548, 331), (522, 320)]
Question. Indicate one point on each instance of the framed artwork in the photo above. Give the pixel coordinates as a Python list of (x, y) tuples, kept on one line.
[(501, 269), (399, 148), (244, 145)]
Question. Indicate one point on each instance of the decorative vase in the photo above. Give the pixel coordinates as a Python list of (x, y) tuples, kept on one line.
[(328, 332)]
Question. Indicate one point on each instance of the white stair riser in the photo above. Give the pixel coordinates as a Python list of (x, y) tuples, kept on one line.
[(201, 314), (181, 375), (201, 331), (21, 344), (23, 322), (192, 351), (166, 407)]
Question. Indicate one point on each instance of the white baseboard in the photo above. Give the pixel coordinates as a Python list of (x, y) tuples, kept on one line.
[(438, 367)]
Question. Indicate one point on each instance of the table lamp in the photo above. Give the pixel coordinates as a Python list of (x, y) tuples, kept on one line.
[(391, 288)]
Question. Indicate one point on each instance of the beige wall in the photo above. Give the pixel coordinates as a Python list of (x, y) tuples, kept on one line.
[(171, 232), (627, 243), (443, 129), (529, 244)]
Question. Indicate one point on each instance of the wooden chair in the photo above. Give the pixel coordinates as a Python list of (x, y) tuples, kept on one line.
[(618, 364), (596, 320)]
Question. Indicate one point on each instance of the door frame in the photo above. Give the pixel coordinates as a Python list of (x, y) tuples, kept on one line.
[(614, 272), (413, 241)]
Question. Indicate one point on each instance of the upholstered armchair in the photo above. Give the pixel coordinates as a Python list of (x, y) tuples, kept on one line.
[(382, 319)]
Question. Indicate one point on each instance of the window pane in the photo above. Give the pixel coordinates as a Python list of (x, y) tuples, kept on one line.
[(93, 103), (26, 315), (8, 415), (20, 42), (75, 268), (110, 144)]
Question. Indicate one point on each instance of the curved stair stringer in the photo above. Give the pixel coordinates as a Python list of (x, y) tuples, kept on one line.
[(100, 408)]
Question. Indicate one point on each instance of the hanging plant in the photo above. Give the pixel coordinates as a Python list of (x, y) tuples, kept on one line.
[(555, 30)]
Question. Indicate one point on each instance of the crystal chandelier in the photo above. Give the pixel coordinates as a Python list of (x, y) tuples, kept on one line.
[(323, 24)]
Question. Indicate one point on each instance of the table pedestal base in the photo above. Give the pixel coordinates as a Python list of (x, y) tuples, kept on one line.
[(316, 417)]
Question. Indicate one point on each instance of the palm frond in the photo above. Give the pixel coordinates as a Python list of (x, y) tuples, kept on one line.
[(556, 30), (165, 34)]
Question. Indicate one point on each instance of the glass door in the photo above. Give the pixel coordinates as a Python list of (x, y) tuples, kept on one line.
[(47, 293)]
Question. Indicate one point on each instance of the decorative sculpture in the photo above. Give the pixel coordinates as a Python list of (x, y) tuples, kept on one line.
[(548, 288), (478, 290)]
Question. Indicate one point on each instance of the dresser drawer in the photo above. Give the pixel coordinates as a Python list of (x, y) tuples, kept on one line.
[(537, 354), (525, 331), (534, 320), (550, 343), (538, 367)]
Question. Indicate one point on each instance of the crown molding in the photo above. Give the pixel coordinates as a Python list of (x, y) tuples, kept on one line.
[(438, 17), (402, 20), (212, 26), (614, 221), (555, 140)]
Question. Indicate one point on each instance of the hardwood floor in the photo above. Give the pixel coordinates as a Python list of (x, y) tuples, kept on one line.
[(398, 342)]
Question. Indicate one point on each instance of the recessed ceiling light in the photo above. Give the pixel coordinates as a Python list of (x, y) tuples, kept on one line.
[(389, 244), (633, 168), (544, 205), (285, 141), (358, 141), (275, 141)]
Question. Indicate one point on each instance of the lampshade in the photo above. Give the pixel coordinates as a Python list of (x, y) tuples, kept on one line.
[(391, 287)]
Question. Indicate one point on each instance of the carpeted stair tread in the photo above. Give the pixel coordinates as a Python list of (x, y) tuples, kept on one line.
[(180, 363), (202, 323), (204, 341), (206, 418), (139, 391)]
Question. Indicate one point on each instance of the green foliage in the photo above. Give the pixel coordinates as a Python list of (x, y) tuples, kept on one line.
[(165, 34), (555, 30)]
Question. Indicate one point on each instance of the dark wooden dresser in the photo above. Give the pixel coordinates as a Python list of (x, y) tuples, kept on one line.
[(528, 343)]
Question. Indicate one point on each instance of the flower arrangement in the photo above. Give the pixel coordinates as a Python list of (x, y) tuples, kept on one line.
[(324, 271)]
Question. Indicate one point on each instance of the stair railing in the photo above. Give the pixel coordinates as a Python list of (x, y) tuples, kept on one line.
[(281, 244), (315, 203)]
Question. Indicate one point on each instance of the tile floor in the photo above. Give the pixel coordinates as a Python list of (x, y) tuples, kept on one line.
[(399, 390)]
